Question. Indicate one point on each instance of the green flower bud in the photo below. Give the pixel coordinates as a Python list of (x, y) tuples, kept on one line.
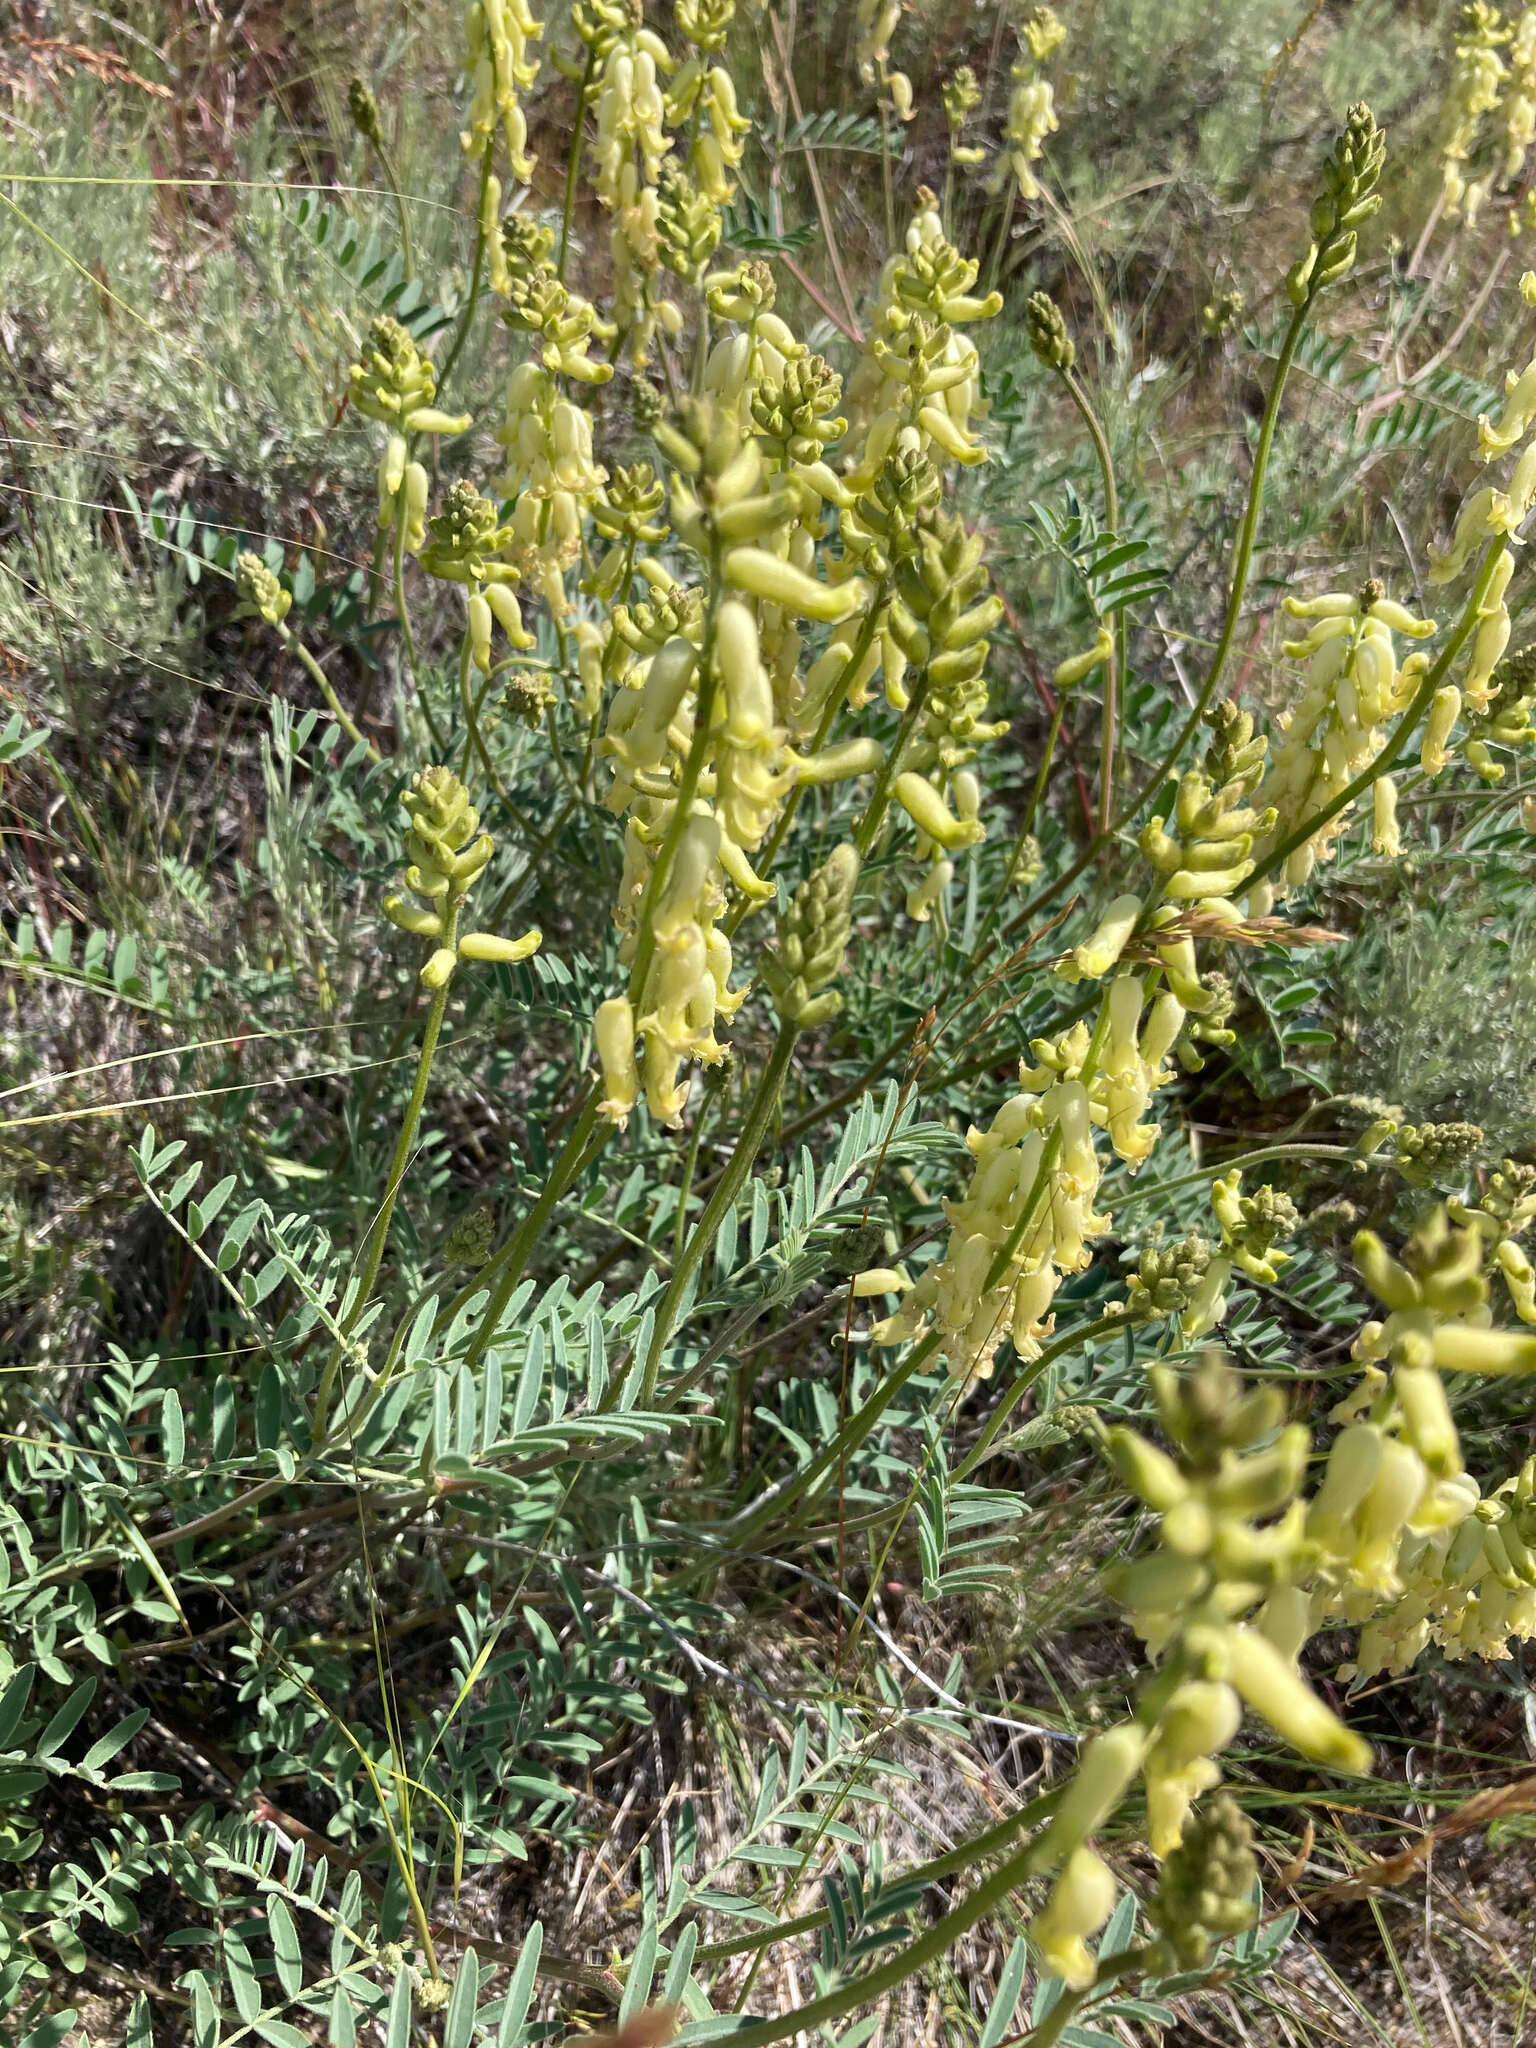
[(487, 946), (1432, 1155), (705, 23), (470, 1241), (465, 537), (364, 109), (1206, 1888), (813, 935), (1348, 198), (962, 96), (260, 593), (1046, 332), (688, 222)]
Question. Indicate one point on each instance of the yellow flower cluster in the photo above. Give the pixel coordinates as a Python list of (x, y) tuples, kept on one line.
[(397, 384), (1400, 1540), (1031, 108), (1230, 1542), (695, 721), (501, 69), (447, 851), (1028, 1211), (1337, 727), (1476, 78), (1493, 72), (632, 64), (917, 370)]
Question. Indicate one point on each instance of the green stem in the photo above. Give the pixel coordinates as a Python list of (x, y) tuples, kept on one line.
[(1112, 667), (754, 1129), (1240, 1165), (1021, 840), (588, 1136), (323, 683), (687, 789), (743, 1533), (477, 270), (690, 1165), (391, 179), (378, 1235), (1104, 1326), (1242, 561), (934, 1871), (572, 160), (880, 796), (1071, 2003), (886, 185), (929, 1947)]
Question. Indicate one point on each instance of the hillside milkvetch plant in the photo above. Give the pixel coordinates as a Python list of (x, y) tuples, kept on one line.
[(705, 629)]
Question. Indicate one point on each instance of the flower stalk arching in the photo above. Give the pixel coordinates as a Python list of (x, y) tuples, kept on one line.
[(446, 853), (263, 597), (366, 119), (1348, 198)]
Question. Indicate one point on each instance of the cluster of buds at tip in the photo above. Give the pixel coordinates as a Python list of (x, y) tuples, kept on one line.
[(1206, 1889), (795, 414), (261, 595), (467, 537), (472, 1239), (1183, 1280), (1253, 1227), (537, 302), (1031, 107), (1435, 1155), (940, 617), (364, 110), (1221, 314), (1046, 330), (688, 223), (447, 850), (1204, 853), (396, 384), (812, 938), (1347, 200), (919, 368)]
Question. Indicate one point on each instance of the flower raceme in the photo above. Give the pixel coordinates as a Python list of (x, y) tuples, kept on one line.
[(447, 852)]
